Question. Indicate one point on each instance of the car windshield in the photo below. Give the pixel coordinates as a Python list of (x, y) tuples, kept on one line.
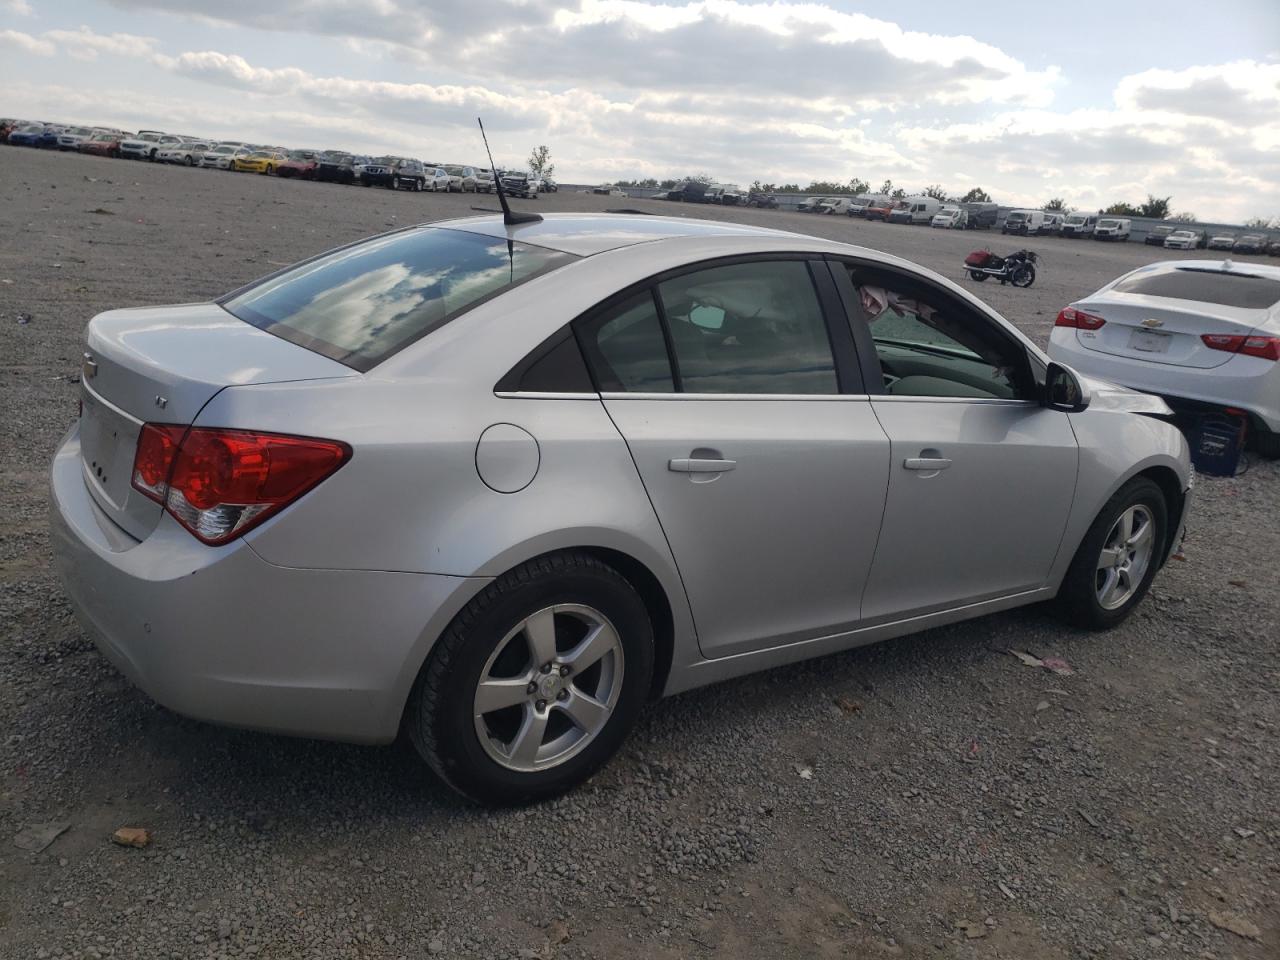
[(259, 155), (1230, 288), (1017, 215), (149, 137), (454, 171), (363, 303), (299, 155), (1074, 221), (223, 150), (33, 128), (104, 137), (78, 131)]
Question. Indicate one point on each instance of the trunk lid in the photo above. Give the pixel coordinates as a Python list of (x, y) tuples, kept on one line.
[(162, 365), (1168, 333)]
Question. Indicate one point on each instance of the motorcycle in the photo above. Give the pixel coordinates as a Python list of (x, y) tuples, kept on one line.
[(1017, 268)]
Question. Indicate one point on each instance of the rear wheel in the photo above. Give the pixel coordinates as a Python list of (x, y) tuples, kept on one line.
[(977, 275), (536, 682), (1117, 560)]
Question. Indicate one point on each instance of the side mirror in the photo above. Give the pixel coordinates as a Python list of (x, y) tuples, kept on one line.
[(1063, 390)]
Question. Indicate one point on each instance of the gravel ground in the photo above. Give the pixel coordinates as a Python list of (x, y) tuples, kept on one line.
[(928, 797)]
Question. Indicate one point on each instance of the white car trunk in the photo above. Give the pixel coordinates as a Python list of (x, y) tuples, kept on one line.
[(162, 365), (1138, 329)]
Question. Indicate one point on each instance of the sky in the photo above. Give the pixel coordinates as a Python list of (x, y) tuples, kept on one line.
[(1091, 101)]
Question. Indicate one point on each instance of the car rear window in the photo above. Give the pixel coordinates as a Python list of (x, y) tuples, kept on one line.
[(1227, 287), (363, 303)]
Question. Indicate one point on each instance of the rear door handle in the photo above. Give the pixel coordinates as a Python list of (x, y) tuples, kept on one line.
[(692, 465), (926, 463)]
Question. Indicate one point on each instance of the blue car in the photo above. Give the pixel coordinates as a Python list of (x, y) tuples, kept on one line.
[(27, 135), (49, 138)]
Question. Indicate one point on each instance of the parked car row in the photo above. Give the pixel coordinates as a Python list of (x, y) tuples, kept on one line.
[(333, 166)]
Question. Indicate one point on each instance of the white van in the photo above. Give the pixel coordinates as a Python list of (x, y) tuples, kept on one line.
[(1112, 228), (1026, 222), (950, 218), (916, 210), (1079, 225)]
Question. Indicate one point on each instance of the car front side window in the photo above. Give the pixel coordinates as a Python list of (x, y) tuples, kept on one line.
[(929, 345)]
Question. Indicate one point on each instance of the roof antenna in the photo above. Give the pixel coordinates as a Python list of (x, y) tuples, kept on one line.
[(508, 217)]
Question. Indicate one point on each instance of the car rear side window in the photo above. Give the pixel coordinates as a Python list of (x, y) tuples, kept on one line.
[(1229, 288), (626, 349), (749, 328), (361, 304)]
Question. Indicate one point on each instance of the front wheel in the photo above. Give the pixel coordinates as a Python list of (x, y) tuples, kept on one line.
[(1117, 560), (1024, 276), (536, 683)]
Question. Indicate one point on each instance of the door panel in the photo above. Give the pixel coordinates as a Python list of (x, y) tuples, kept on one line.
[(771, 506), (981, 512)]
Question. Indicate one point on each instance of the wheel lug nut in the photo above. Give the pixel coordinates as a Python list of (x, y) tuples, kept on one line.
[(546, 668), (532, 688), (542, 704), (564, 671), (562, 695)]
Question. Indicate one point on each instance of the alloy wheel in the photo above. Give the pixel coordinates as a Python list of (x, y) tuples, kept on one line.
[(1126, 555), (549, 688)]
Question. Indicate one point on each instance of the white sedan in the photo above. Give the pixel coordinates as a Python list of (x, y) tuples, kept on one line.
[(1206, 331), (189, 153)]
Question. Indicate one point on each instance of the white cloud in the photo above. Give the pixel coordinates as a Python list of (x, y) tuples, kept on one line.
[(21, 7), (25, 42)]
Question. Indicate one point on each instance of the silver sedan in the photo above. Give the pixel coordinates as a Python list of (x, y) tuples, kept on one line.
[(498, 485)]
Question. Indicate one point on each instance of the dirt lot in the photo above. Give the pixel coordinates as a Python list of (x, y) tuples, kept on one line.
[(960, 803)]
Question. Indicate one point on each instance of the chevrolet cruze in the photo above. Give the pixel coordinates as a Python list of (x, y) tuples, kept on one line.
[(496, 485)]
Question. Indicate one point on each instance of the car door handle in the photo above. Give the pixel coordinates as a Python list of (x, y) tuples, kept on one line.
[(926, 463), (693, 465)]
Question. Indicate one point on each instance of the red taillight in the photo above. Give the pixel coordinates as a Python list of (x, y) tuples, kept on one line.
[(157, 446), (1071, 317), (1267, 348), (221, 483)]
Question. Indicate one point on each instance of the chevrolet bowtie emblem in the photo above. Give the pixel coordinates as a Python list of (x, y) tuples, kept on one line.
[(88, 367), (1151, 323)]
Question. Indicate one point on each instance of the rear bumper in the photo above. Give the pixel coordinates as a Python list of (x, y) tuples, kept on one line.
[(219, 634), (1248, 383)]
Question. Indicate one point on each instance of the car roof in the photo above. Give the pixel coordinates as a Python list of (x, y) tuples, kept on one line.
[(585, 235)]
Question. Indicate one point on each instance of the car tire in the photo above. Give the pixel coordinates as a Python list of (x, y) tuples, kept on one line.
[(575, 596), (1085, 598)]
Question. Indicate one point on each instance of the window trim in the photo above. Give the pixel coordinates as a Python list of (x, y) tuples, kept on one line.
[(861, 330), (844, 353)]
